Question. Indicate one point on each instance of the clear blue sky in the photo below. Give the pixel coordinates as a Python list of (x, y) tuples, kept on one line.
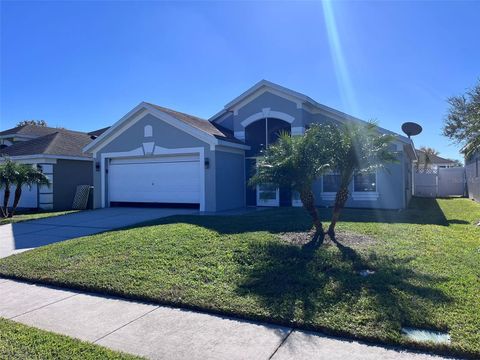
[(83, 65)]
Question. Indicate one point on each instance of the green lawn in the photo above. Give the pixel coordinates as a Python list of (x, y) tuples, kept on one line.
[(32, 215), (18, 341), (426, 261)]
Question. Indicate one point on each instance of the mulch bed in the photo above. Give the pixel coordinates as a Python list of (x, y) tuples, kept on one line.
[(346, 238)]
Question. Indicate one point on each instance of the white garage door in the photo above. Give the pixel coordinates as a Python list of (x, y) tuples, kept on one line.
[(166, 179), (28, 199)]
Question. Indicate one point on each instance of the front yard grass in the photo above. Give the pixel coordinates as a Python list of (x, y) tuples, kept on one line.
[(18, 341), (32, 215), (426, 261)]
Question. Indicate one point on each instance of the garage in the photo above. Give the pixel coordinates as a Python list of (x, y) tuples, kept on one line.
[(155, 181)]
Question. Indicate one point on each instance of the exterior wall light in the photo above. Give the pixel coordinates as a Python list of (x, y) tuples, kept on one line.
[(207, 163)]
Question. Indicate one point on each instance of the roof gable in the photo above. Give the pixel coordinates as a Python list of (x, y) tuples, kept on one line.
[(195, 126)]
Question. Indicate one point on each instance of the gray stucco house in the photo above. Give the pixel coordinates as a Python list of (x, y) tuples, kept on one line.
[(472, 170), (154, 155), (58, 154)]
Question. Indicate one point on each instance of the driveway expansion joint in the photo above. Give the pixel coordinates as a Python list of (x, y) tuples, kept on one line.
[(43, 306), (126, 324)]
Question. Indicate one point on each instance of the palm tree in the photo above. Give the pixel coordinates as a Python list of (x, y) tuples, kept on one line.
[(429, 154), (8, 170), (296, 162), (360, 149), (26, 175)]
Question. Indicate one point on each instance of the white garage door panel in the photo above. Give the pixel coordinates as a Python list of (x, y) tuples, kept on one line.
[(163, 180), (27, 200)]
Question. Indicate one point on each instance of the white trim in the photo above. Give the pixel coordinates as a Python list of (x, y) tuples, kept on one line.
[(271, 114), (220, 116), (302, 101), (233, 145), (139, 152), (139, 112), (148, 131), (297, 130), (266, 86), (365, 196), (270, 202), (45, 158), (328, 195), (229, 150)]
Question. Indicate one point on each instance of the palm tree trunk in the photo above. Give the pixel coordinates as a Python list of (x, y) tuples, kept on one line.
[(308, 201), (6, 197), (16, 199), (340, 200)]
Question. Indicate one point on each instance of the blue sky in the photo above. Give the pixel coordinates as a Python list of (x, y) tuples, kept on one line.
[(83, 65)]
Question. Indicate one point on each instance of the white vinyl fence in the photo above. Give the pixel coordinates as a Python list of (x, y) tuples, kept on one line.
[(442, 182)]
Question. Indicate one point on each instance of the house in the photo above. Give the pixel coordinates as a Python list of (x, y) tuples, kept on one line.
[(433, 162), (472, 170), (58, 153), (154, 155)]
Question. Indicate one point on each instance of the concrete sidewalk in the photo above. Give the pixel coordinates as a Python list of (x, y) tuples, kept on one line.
[(160, 332)]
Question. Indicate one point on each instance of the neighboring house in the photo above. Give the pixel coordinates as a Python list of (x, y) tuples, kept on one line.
[(58, 153), (154, 155), (472, 169), (434, 161)]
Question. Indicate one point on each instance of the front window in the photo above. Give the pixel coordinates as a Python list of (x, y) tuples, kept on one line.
[(365, 182), (331, 182), (263, 133)]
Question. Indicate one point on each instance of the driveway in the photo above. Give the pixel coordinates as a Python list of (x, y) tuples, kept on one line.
[(26, 235)]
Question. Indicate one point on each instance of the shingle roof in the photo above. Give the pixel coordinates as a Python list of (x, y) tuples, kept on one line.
[(29, 130), (61, 142), (434, 159), (210, 128), (98, 132)]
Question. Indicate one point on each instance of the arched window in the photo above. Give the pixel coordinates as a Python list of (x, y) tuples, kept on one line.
[(261, 133), (148, 131)]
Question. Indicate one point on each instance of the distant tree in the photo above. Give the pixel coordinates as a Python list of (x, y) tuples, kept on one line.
[(429, 154), (462, 123), (32, 122), (457, 162)]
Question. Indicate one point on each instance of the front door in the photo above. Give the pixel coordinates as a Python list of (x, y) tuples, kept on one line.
[(268, 195)]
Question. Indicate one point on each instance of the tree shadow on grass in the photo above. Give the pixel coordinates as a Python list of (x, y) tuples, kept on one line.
[(322, 289)]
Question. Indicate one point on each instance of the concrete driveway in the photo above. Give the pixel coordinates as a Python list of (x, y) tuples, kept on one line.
[(26, 235)]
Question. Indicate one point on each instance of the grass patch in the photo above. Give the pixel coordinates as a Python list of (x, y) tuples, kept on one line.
[(426, 262), (19, 341), (33, 215)]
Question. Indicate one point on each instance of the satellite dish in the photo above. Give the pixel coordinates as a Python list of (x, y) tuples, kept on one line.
[(411, 128)]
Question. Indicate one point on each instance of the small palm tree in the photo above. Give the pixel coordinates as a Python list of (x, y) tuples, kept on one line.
[(296, 162), (360, 148), (26, 175), (8, 170), (429, 154)]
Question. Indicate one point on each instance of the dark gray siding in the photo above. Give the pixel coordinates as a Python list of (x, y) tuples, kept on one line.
[(67, 175), (230, 180), (472, 168)]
